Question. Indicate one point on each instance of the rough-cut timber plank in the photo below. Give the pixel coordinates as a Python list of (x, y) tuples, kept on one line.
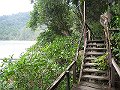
[(94, 53), (117, 68), (95, 77), (100, 44), (90, 64), (96, 49), (90, 86), (90, 58), (114, 30), (84, 88), (97, 41), (93, 70)]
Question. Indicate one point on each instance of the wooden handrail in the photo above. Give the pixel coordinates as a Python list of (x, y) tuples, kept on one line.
[(112, 64), (115, 29), (104, 22), (59, 79), (115, 65)]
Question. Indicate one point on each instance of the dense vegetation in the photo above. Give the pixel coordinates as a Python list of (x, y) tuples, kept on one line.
[(115, 37), (40, 65), (55, 14), (56, 46)]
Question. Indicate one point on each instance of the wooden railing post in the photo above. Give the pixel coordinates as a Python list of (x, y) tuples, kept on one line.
[(115, 67), (84, 24), (112, 76), (106, 30), (74, 73), (85, 40), (84, 13), (68, 80), (111, 68)]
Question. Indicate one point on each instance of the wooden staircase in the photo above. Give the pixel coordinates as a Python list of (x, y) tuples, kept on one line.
[(91, 77)]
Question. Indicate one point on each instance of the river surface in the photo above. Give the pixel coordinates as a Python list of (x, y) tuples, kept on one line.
[(15, 48)]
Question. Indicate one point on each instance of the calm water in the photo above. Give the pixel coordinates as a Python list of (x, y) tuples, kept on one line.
[(15, 48)]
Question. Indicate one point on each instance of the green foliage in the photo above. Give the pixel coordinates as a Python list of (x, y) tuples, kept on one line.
[(54, 13), (40, 65), (102, 63), (96, 29), (115, 40), (75, 2), (115, 37), (94, 8), (115, 22), (46, 37)]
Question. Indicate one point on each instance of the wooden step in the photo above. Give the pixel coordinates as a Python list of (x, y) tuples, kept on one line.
[(93, 70), (85, 88), (90, 64), (94, 86), (94, 53), (96, 49), (99, 44), (95, 77), (90, 58), (96, 41), (90, 86)]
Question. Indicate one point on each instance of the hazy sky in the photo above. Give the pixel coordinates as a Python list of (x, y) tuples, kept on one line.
[(8, 7)]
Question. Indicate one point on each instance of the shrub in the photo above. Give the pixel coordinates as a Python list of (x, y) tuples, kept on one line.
[(40, 65), (115, 40)]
